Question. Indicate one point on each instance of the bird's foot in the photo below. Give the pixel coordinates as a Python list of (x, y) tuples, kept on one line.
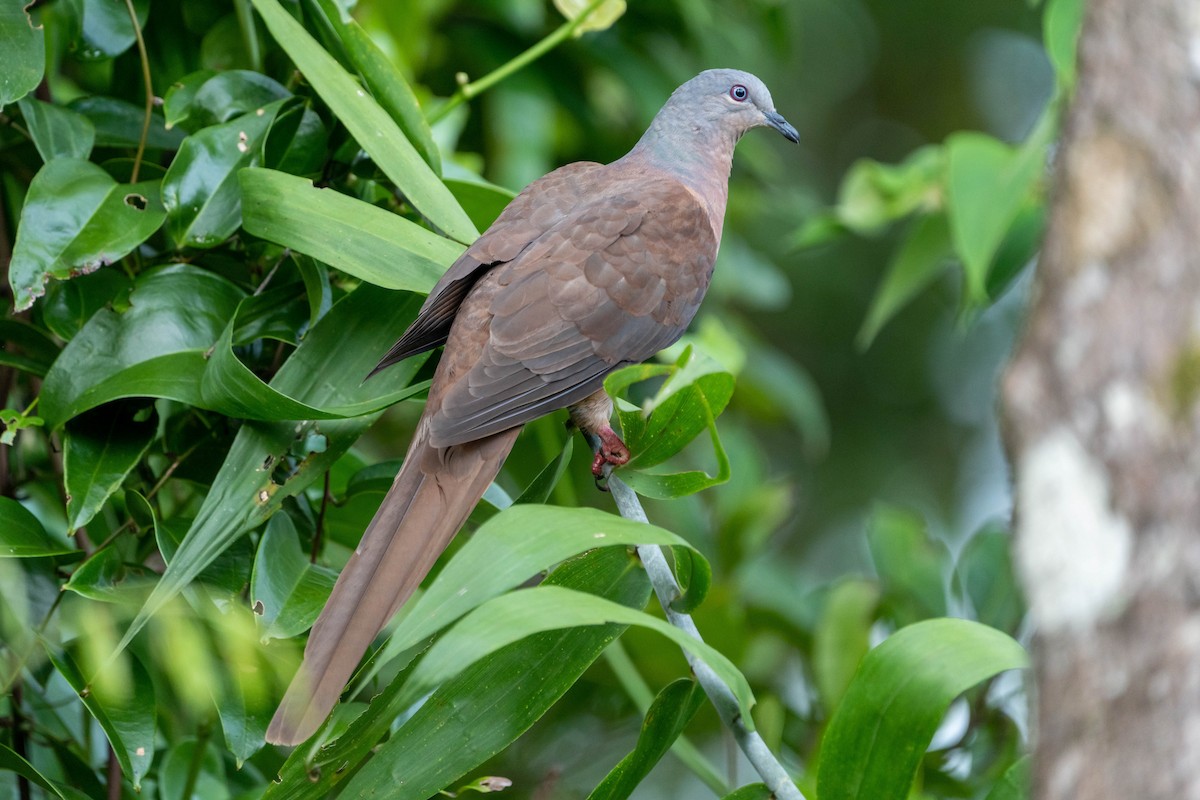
[(610, 452)]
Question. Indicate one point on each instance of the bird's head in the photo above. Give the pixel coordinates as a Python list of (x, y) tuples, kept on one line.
[(727, 101)]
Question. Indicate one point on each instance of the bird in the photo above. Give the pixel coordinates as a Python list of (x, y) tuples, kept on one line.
[(590, 268)]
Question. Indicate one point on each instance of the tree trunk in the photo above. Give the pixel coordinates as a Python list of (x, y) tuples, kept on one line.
[(1103, 422)]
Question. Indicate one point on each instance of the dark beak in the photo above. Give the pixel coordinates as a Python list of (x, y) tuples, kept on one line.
[(776, 121)]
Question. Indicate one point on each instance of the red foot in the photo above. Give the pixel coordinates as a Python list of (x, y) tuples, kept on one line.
[(611, 451)]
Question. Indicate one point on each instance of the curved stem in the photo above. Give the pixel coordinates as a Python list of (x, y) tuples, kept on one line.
[(721, 696), (141, 46), (468, 90)]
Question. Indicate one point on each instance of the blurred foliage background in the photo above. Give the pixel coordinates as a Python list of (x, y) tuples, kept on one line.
[(869, 486)]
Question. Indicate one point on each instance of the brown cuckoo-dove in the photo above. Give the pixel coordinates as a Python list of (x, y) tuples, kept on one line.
[(588, 269)]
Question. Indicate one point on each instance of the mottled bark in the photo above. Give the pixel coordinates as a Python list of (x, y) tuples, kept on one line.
[(1103, 420)]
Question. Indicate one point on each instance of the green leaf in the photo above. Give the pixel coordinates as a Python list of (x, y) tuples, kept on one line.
[(68, 305), (119, 124), (12, 763), (123, 704), (22, 53), (107, 28), (287, 591), (507, 550), (912, 566), (696, 391), (886, 720), (752, 791), (105, 576), (539, 489), (342, 348), (985, 569), (482, 201), (175, 314), (26, 347), (668, 715), (22, 535), (200, 189), (76, 219), (386, 83), (1061, 23), (177, 104), (842, 638), (179, 764), (228, 95), (348, 234), (57, 132), (98, 452), (601, 17), (988, 182), (1014, 784), (369, 124), (873, 195), (245, 702), (157, 348), (474, 716), (297, 141), (921, 257), (513, 616)]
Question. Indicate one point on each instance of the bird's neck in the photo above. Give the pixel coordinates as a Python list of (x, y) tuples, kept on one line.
[(699, 159)]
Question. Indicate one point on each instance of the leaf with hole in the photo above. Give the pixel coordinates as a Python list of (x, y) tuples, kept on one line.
[(75, 220)]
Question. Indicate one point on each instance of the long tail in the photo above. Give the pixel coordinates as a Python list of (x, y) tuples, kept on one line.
[(429, 501)]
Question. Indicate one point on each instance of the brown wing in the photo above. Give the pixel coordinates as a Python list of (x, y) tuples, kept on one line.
[(612, 284), (540, 206)]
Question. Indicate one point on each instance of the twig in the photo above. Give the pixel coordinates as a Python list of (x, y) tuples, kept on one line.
[(721, 696), (468, 90), (141, 46)]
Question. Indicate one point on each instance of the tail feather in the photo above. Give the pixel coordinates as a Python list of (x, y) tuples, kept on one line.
[(431, 498)]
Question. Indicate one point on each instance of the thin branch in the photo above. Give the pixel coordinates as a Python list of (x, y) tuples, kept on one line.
[(141, 46), (721, 696), (468, 90)]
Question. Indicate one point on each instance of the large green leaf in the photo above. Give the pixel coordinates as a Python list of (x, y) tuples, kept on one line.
[(473, 716), (375, 131), (98, 452), (287, 591), (57, 131), (875, 741), (175, 314), (176, 341), (386, 83), (22, 535), (76, 218), (513, 616), (355, 237), (873, 195), (327, 368), (922, 256), (987, 183), (200, 189), (665, 720), (22, 53), (507, 550), (124, 705)]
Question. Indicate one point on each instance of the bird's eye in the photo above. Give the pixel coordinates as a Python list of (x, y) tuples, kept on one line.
[(738, 92)]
